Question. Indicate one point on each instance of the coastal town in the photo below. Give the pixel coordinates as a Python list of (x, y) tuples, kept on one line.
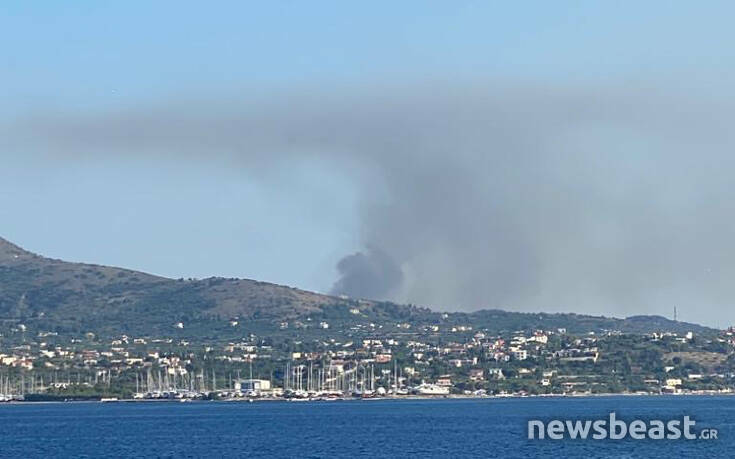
[(72, 331), (363, 364)]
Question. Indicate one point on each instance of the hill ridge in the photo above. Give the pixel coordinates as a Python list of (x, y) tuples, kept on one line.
[(72, 296)]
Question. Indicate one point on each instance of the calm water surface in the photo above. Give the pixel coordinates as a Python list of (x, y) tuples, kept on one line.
[(408, 428)]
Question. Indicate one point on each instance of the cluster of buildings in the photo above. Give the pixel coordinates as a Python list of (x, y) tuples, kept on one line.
[(366, 362)]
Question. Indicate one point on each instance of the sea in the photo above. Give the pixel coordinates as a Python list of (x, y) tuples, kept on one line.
[(447, 428)]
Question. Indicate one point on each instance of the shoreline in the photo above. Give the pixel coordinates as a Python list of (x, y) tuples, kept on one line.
[(352, 399)]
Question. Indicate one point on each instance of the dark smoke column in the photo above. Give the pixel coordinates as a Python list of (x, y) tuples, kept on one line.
[(370, 274)]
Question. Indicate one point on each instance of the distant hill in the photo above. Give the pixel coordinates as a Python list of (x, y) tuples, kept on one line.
[(79, 296), (580, 323), (55, 295)]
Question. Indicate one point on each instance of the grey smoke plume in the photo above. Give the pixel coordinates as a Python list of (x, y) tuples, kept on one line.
[(369, 274), (605, 200)]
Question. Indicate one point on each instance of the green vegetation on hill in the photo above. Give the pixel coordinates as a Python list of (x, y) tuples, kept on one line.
[(72, 298)]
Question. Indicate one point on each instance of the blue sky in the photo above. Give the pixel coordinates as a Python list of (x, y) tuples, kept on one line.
[(204, 217), (84, 55)]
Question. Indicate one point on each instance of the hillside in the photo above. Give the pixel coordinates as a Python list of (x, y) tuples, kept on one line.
[(78, 295), (53, 295)]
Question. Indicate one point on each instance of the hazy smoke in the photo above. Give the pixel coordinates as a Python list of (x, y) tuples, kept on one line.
[(600, 200), (370, 274)]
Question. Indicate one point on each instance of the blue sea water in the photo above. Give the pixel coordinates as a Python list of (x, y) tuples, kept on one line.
[(484, 428)]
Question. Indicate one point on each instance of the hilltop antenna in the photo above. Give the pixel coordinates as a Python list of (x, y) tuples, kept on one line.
[(675, 315)]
